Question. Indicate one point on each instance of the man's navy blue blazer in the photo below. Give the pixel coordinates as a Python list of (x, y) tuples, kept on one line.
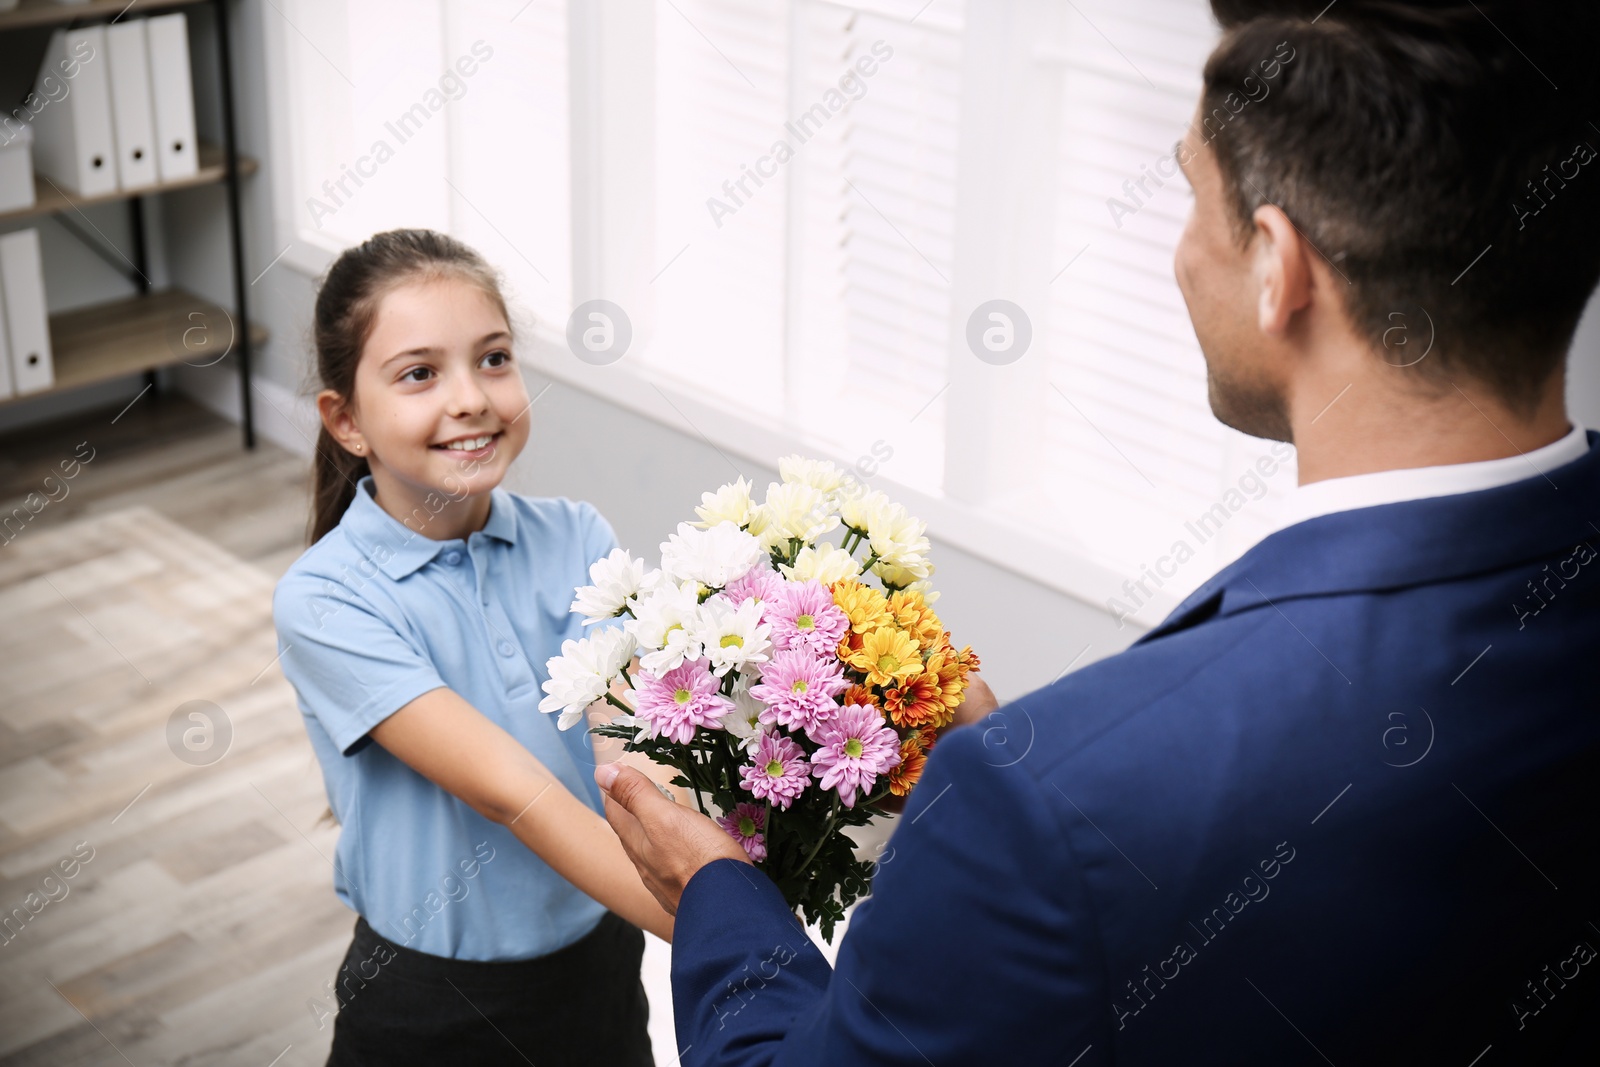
[(1339, 807)]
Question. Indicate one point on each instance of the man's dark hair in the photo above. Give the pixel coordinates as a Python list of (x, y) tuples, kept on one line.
[(1443, 156)]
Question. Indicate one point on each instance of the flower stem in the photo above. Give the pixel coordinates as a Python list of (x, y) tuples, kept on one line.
[(822, 838)]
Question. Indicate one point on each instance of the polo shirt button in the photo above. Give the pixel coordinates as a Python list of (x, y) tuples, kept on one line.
[(452, 557), (506, 649)]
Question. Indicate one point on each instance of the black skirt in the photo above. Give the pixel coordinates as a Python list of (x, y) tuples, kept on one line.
[(583, 1004)]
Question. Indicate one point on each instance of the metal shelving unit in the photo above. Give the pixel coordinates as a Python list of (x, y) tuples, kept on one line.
[(153, 329)]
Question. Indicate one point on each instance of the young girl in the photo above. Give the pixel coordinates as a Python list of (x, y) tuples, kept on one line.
[(498, 915)]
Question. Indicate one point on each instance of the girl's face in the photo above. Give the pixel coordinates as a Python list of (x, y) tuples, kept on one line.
[(439, 405)]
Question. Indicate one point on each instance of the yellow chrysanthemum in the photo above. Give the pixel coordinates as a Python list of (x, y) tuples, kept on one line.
[(887, 657), (867, 608), (945, 667)]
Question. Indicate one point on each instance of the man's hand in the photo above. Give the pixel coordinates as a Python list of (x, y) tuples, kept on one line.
[(976, 702), (667, 842)]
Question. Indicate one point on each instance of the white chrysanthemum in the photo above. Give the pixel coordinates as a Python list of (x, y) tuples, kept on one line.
[(712, 557), (826, 563), (616, 579), (662, 623), (744, 721), (857, 509), (924, 587), (584, 671), (730, 636), (817, 473), (731, 503), (899, 541), (798, 510)]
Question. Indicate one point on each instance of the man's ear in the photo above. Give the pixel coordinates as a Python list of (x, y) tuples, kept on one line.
[(1282, 270), (340, 421)]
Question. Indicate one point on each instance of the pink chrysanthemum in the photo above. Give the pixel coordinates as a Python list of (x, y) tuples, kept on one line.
[(856, 747), (803, 615), (681, 700), (798, 689), (759, 583), (747, 825), (778, 772)]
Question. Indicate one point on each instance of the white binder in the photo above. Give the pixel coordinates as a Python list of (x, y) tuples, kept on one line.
[(73, 144), (172, 93), (27, 321), (128, 61), (6, 388)]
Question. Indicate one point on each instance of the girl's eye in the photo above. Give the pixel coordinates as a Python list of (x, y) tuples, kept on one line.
[(497, 358), (417, 374)]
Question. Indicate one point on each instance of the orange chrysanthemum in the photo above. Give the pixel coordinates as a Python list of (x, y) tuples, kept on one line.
[(912, 759), (861, 694), (968, 660), (912, 614), (919, 702), (867, 608), (888, 657)]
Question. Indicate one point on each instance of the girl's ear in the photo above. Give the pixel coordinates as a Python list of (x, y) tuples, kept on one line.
[(340, 421)]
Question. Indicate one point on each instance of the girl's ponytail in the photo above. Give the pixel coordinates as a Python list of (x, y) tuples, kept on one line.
[(347, 304), (334, 474)]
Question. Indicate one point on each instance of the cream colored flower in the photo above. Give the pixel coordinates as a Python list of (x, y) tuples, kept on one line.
[(858, 508), (817, 473), (826, 563), (731, 503), (797, 510), (900, 541)]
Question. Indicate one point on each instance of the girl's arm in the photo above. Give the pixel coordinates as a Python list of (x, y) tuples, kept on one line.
[(458, 748)]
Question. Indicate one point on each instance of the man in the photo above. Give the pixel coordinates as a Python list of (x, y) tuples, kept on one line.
[(1341, 805)]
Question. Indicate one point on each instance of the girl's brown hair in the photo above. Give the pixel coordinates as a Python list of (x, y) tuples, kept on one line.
[(346, 308)]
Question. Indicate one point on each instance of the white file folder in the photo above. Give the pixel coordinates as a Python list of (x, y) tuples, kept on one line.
[(6, 388), (172, 93), (73, 144), (127, 58), (27, 321)]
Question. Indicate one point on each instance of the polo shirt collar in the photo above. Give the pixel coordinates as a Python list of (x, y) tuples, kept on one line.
[(396, 548)]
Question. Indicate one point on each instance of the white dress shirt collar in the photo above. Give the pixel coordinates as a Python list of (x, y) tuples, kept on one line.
[(1414, 483)]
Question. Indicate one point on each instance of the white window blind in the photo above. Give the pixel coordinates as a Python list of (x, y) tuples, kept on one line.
[(805, 202), (421, 113), (1133, 458)]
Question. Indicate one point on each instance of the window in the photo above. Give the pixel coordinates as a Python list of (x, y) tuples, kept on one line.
[(805, 210)]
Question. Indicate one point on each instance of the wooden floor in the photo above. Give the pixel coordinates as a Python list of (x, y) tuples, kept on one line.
[(171, 455), (202, 928)]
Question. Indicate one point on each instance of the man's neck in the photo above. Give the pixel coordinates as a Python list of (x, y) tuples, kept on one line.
[(1374, 427)]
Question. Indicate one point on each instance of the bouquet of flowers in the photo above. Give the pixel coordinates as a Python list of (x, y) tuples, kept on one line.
[(792, 693)]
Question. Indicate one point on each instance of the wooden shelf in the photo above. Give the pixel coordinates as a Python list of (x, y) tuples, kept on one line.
[(49, 198), (139, 333), (50, 13)]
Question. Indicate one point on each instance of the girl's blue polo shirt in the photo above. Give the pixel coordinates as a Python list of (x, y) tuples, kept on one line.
[(374, 615)]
